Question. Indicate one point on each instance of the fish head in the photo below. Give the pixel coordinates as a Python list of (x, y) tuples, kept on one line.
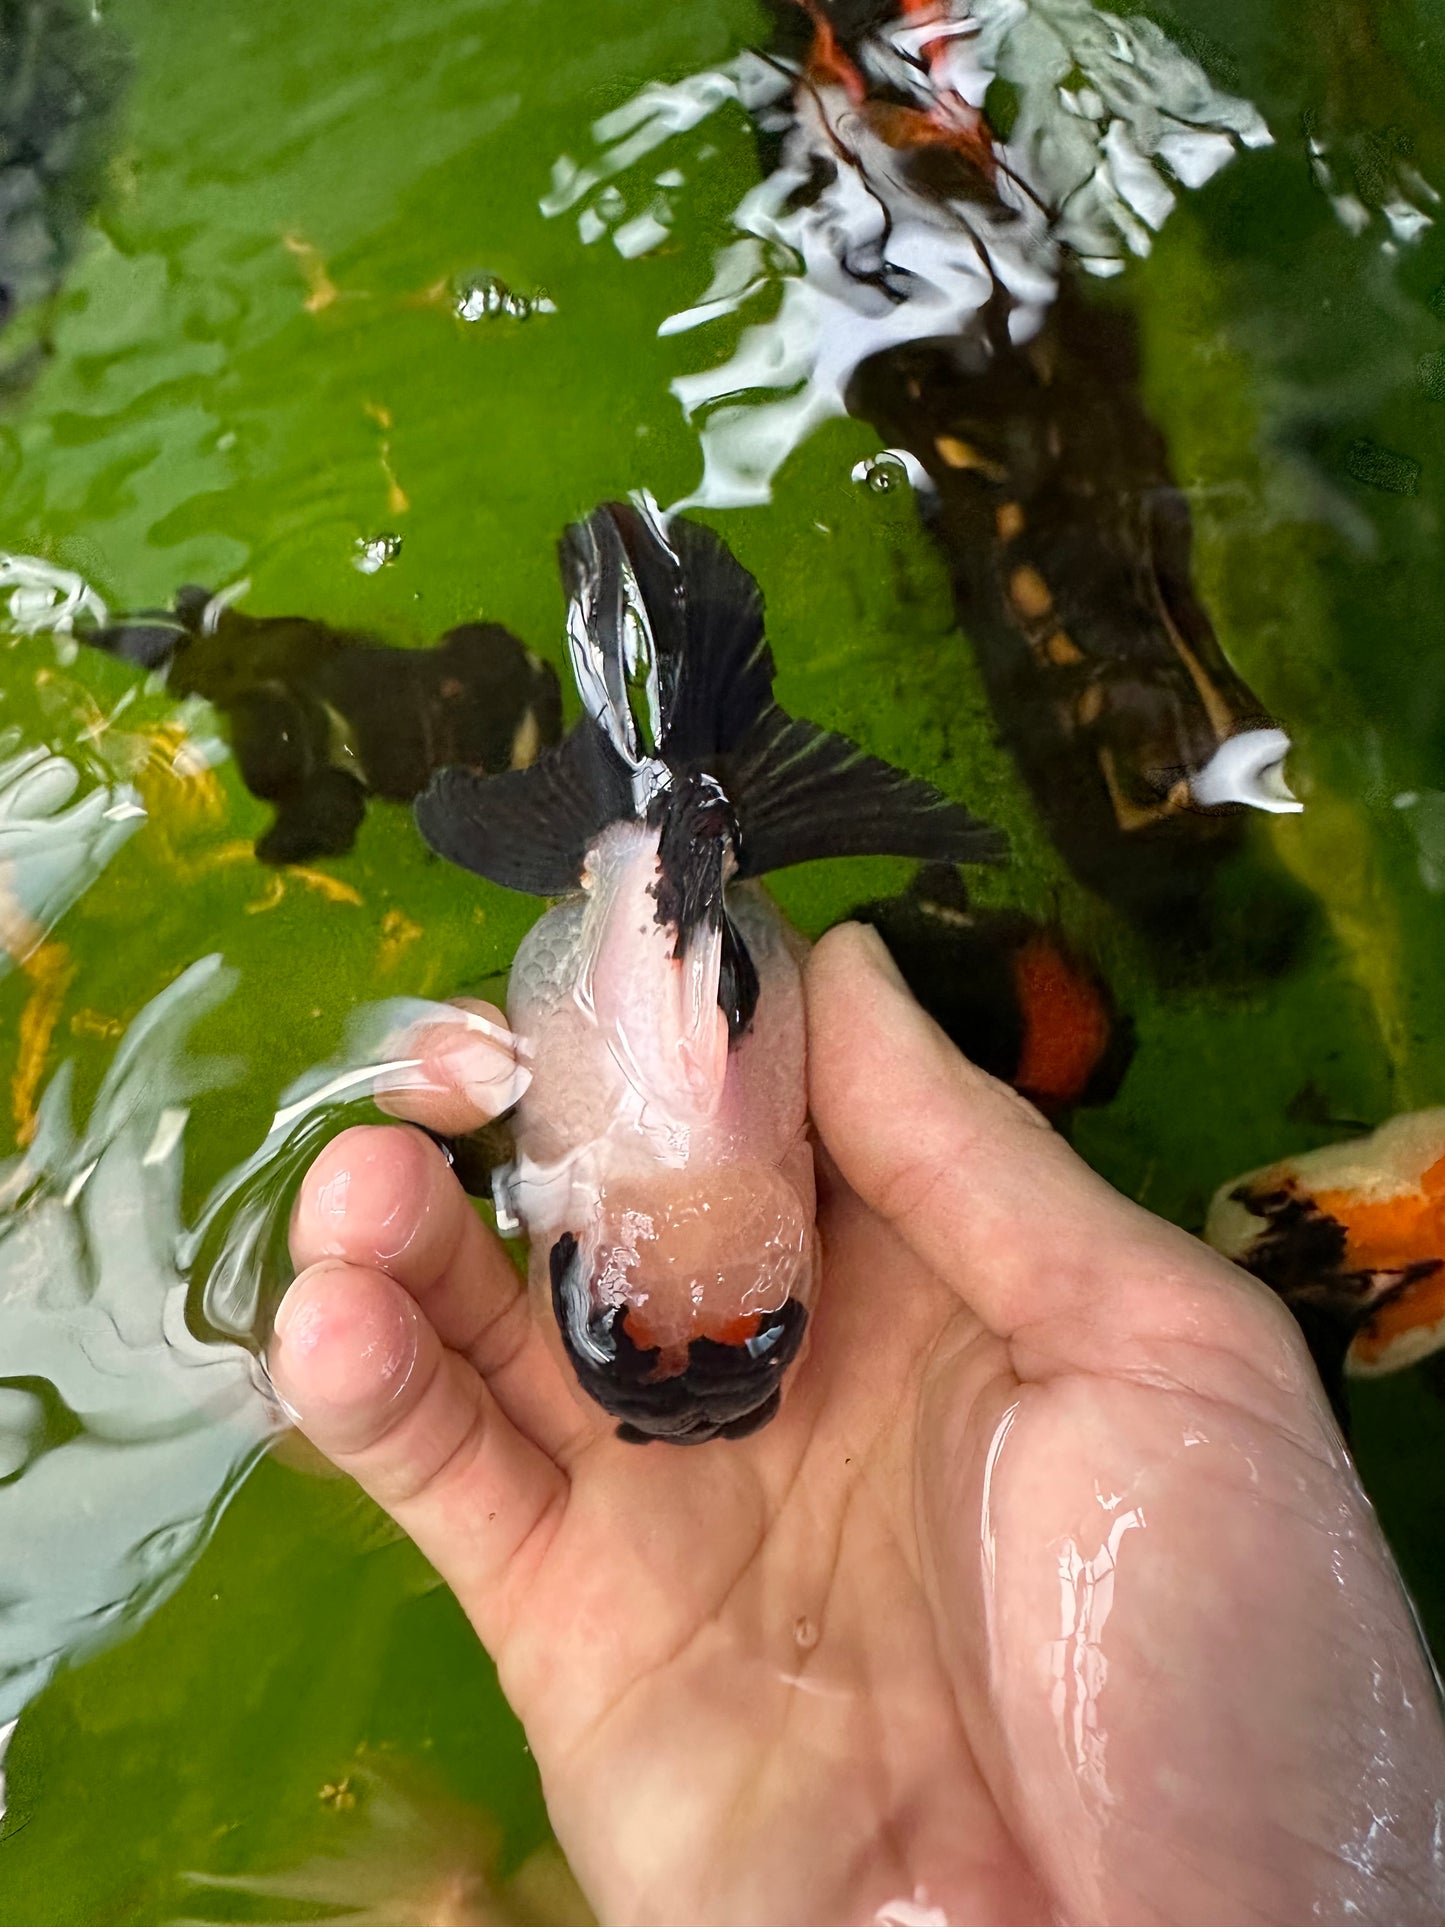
[(684, 1297)]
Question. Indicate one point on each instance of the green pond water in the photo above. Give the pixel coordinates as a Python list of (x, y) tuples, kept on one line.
[(256, 363)]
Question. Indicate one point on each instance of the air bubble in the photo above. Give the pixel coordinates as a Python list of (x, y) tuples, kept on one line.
[(374, 552), (892, 469), (485, 297)]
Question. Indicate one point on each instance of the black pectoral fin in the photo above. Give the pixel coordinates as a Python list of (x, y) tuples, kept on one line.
[(475, 1156), (528, 829), (802, 792)]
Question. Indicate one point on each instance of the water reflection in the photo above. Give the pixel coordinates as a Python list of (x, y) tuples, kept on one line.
[(938, 183), (120, 1432), (895, 210), (132, 1399)]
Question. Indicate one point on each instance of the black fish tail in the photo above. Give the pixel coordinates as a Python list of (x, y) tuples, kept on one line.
[(665, 629), (802, 792), (665, 632)]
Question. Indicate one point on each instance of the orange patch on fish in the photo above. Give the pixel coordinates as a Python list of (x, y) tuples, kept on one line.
[(1066, 1027), (1384, 1234), (1413, 1321), (1029, 593), (727, 1331)]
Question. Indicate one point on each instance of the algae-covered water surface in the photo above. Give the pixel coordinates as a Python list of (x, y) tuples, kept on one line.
[(344, 314)]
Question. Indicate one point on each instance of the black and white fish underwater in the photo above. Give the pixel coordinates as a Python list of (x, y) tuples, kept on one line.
[(662, 1166), (321, 719)]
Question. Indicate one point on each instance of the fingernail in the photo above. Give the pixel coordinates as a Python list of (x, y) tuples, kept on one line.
[(286, 1313), (486, 1073)]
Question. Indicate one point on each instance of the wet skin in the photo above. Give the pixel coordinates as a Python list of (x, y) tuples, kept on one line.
[(1050, 1593)]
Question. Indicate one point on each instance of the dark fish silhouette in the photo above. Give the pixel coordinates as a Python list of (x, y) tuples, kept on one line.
[(1012, 993), (1045, 483), (61, 73), (663, 1168), (1068, 544), (320, 718)]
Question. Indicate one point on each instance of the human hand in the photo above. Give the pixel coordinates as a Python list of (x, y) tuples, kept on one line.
[(1051, 1592)]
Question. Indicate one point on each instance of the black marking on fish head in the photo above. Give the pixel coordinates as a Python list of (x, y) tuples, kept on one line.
[(723, 1391)]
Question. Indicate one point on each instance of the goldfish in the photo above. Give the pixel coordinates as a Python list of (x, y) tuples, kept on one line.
[(321, 719), (1352, 1237), (662, 1164), (1011, 992)]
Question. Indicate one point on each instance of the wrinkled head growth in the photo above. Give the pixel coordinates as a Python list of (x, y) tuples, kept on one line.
[(684, 1300)]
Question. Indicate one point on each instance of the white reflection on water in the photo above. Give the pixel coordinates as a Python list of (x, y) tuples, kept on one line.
[(121, 1432), (53, 845), (854, 256), (132, 1400)]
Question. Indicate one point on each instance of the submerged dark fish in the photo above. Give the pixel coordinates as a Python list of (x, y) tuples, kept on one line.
[(322, 718), (61, 71), (936, 291), (663, 1169), (1012, 993), (1050, 492), (1068, 544), (1352, 1237)]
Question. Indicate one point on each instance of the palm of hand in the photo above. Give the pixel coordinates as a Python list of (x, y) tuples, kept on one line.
[(1038, 1599)]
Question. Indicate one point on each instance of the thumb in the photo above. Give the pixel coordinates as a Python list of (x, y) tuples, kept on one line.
[(996, 1204)]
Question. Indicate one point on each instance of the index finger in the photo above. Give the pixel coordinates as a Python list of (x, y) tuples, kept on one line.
[(465, 1072)]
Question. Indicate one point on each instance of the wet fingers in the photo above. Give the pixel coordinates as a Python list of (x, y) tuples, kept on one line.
[(463, 1072), (367, 1378), (383, 1197)]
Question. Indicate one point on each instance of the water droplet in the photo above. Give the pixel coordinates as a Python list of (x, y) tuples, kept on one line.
[(485, 296), (891, 469), (373, 552)]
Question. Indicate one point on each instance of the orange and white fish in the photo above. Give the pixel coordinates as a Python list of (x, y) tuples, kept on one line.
[(1352, 1237), (663, 1168)]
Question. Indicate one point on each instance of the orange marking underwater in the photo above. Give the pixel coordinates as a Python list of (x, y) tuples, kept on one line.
[(1420, 1307), (50, 971), (1387, 1234), (1066, 1027), (826, 59)]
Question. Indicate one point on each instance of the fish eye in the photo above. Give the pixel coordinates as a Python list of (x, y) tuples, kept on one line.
[(718, 1390)]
